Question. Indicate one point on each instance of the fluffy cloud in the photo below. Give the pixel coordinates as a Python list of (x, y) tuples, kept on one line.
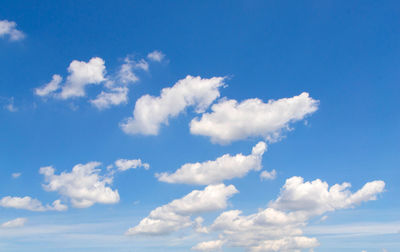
[(18, 222), (83, 185), (125, 164), (150, 112), (209, 246), (157, 56), (266, 175), (16, 175), (223, 168), (8, 28), (50, 87), (114, 97), (28, 203), (82, 74), (176, 214), (230, 120), (126, 73), (279, 227)]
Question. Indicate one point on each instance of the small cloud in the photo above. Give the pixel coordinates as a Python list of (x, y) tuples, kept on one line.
[(157, 56), (10, 106), (265, 175), (323, 218), (18, 222), (8, 29), (16, 175)]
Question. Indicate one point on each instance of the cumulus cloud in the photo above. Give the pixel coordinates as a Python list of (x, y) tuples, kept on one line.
[(18, 222), (50, 87), (126, 73), (230, 121), (215, 245), (280, 226), (28, 203), (126, 164), (150, 112), (157, 56), (8, 29), (83, 185), (82, 74), (266, 175), (114, 97), (177, 214), (223, 168)]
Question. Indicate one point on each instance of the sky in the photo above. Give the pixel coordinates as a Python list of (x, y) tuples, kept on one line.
[(199, 126)]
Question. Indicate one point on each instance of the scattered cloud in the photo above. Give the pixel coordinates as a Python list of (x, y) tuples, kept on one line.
[(16, 175), (150, 112), (83, 185), (114, 97), (126, 73), (28, 203), (10, 105), (176, 214), (280, 226), (230, 121), (216, 171), (126, 164), (209, 246), (18, 222), (8, 29), (157, 56), (82, 74), (50, 87), (266, 175)]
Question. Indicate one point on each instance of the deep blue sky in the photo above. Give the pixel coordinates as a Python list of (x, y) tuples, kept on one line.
[(343, 53)]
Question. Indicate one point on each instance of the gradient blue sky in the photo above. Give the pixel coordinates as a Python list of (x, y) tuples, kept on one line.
[(345, 54)]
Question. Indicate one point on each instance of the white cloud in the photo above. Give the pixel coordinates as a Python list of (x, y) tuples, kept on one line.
[(16, 175), (8, 28), (83, 185), (266, 175), (150, 112), (50, 87), (280, 226), (114, 97), (209, 246), (157, 56), (10, 105), (28, 203), (126, 164), (18, 222), (82, 74), (230, 121), (223, 168), (126, 73), (176, 214)]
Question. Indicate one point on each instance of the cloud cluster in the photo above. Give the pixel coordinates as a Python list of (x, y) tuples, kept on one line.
[(8, 29), (279, 227), (216, 171), (83, 186), (150, 112), (230, 121), (177, 214), (157, 56), (126, 164), (31, 204), (81, 74)]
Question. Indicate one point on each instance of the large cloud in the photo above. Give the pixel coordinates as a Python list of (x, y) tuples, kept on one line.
[(83, 185), (150, 112), (176, 214), (28, 203), (279, 227), (223, 168), (8, 28), (230, 120)]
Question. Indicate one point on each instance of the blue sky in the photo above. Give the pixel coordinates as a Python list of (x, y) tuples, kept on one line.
[(212, 126)]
